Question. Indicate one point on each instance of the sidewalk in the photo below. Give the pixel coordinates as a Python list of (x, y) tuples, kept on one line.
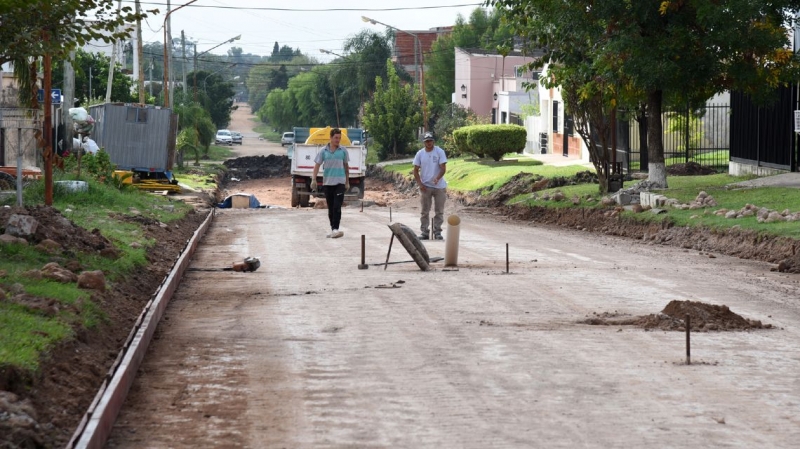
[(782, 180), (558, 160)]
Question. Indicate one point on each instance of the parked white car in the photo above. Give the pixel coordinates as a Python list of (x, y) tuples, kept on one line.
[(224, 137), (287, 138)]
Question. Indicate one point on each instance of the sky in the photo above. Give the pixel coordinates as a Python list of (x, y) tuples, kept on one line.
[(309, 25)]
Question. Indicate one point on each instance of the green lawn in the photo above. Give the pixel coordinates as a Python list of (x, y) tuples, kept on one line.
[(468, 174), (475, 174), (27, 333)]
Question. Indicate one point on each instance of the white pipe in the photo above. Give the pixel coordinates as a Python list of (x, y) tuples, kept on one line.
[(451, 243)]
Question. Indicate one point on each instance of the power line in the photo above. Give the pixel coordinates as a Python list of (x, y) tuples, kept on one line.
[(263, 8)]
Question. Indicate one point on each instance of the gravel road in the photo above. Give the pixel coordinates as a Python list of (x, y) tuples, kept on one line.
[(309, 351)]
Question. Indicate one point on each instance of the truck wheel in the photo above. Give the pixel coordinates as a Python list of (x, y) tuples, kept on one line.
[(361, 189), (304, 198), (295, 195)]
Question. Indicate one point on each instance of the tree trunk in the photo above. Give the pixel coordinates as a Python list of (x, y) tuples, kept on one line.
[(655, 140)]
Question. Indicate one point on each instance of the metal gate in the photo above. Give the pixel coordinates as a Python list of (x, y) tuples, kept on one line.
[(764, 135)]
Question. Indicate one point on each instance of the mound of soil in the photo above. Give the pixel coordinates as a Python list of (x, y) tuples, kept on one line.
[(690, 169), (56, 227), (257, 167), (520, 184), (703, 317)]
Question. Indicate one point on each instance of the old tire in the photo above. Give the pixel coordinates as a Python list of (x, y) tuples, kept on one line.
[(412, 244)]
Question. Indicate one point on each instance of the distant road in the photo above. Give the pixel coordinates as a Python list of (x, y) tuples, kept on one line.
[(243, 120)]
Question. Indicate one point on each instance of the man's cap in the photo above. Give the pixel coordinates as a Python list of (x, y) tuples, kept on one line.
[(428, 136)]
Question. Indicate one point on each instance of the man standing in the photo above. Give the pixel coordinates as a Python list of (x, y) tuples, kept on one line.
[(335, 180), (430, 165)]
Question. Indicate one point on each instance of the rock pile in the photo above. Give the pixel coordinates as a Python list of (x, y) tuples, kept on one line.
[(763, 215), (702, 200)]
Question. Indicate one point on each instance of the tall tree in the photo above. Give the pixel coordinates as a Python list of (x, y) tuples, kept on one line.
[(56, 28), (680, 51), (215, 94), (196, 130), (367, 62), (279, 110), (393, 114)]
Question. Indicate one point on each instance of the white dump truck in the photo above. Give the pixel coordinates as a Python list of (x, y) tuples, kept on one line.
[(303, 155)]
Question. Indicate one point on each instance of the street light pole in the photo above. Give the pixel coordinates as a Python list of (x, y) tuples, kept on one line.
[(333, 86), (419, 71), (166, 59), (194, 66)]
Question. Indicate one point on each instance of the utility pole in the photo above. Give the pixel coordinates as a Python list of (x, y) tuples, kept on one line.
[(168, 100), (183, 60), (152, 63), (169, 56), (140, 53), (69, 99), (112, 62), (47, 127)]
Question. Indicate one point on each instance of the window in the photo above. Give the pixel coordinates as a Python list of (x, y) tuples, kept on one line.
[(137, 115), (555, 116), (521, 71)]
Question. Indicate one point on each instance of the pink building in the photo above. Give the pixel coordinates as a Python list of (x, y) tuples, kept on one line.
[(494, 86), (481, 77)]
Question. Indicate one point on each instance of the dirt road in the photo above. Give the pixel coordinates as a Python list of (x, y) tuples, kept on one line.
[(309, 351)]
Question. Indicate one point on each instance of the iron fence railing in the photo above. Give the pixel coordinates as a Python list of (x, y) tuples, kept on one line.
[(690, 135)]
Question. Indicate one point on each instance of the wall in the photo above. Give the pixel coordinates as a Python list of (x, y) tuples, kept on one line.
[(740, 169)]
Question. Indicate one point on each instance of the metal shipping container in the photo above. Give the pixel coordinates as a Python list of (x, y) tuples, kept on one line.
[(136, 137)]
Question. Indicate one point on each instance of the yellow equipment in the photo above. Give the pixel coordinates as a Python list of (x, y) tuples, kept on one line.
[(321, 136)]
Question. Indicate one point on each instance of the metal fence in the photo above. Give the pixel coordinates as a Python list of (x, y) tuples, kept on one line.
[(17, 143), (690, 135)]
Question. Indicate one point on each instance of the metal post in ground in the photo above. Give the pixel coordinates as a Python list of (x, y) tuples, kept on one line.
[(688, 323), (363, 265), (506, 258), (388, 253)]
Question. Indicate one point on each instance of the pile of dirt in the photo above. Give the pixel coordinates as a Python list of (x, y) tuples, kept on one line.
[(520, 184), (54, 226), (689, 169), (703, 317), (43, 409), (257, 167)]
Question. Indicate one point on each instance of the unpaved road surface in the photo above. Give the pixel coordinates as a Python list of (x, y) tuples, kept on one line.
[(309, 351)]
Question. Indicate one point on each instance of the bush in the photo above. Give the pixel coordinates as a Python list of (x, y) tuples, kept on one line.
[(490, 140), (461, 142), (98, 165)]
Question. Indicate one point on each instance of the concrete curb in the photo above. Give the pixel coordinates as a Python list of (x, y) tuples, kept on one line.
[(96, 424)]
